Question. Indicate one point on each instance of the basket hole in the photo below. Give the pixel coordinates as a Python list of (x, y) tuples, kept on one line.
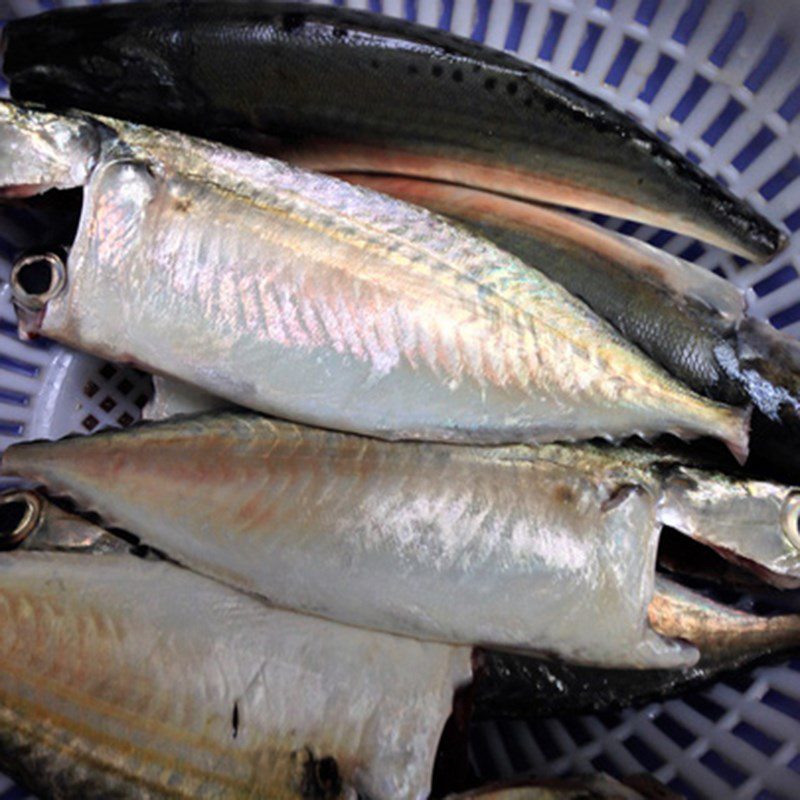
[(586, 50), (555, 25), (722, 122), (786, 274), (790, 107), (756, 739), (770, 61), (733, 33), (706, 707), (646, 12), (90, 389), (723, 768), (753, 149), (674, 730), (13, 398), (519, 16), (628, 228), (446, 17), (482, 8), (689, 21), (125, 386), (8, 428), (108, 371), (619, 69), (657, 78), (786, 175), (643, 754), (108, 404), (90, 422), (661, 238), (788, 316), (693, 95), (694, 251), (18, 366), (780, 702)]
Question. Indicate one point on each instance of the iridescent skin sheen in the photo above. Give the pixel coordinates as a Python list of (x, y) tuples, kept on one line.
[(749, 520), (680, 314), (302, 296), (134, 679)]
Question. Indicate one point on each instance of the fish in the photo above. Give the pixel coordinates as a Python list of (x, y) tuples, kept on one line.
[(304, 297), (279, 78), (687, 319), (427, 540), (729, 640), (128, 678), (430, 540)]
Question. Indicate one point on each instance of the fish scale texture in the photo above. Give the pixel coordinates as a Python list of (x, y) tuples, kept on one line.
[(718, 79)]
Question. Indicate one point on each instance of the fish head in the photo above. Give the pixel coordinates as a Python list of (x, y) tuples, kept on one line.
[(41, 151), (29, 521), (752, 523)]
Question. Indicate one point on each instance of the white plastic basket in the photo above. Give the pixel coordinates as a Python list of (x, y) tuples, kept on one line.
[(721, 80)]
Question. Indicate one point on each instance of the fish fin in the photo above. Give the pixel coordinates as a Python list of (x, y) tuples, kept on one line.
[(739, 440)]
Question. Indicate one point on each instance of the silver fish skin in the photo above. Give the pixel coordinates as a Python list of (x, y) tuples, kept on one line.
[(466, 545), (301, 296), (747, 520), (132, 679)]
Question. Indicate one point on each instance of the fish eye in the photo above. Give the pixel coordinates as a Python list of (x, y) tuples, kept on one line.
[(790, 518), (36, 278), (20, 515)]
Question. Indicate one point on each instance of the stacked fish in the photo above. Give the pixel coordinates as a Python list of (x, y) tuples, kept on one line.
[(390, 478)]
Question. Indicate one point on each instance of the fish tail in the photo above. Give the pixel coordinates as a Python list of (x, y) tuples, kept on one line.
[(735, 431)]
